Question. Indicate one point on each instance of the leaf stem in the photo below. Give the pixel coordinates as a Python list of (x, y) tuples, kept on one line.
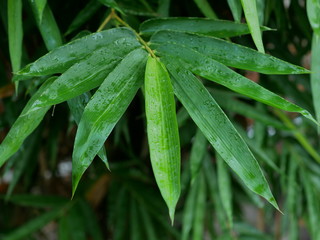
[(298, 135), (113, 15)]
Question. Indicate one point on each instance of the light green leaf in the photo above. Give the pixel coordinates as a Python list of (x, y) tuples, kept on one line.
[(60, 59), (163, 134), (83, 16), (47, 25), (225, 188), (88, 73), (205, 8), (313, 10), (218, 129), (315, 73), (209, 27), (28, 120), (104, 110), (40, 6), (76, 106), (251, 14), (15, 33), (227, 53), (198, 151), (236, 9), (219, 73)]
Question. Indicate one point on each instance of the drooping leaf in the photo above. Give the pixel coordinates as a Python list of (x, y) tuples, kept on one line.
[(15, 33), (47, 25), (251, 14), (236, 9), (28, 120), (230, 54), (76, 106), (60, 59), (225, 188), (217, 128), (205, 8), (209, 27), (198, 151), (313, 10), (83, 16), (219, 73), (89, 73), (40, 6), (104, 111), (163, 135)]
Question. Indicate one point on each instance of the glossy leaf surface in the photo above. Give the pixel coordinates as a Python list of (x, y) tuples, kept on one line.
[(60, 59), (209, 27), (105, 109), (217, 128), (230, 54), (163, 135)]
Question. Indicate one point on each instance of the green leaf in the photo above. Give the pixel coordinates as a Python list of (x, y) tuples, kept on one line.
[(209, 27), (218, 129), (83, 16), (35, 224), (38, 201), (15, 33), (219, 73), (198, 151), (251, 14), (47, 25), (28, 120), (205, 8), (225, 189), (111, 4), (104, 110), (227, 53), (76, 106), (163, 134), (236, 9), (40, 6), (315, 73), (313, 10), (62, 58), (89, 73)]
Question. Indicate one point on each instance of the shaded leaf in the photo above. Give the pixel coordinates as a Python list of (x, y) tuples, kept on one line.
[(236, 9), (40, 6), (163, 135), (205, 8)]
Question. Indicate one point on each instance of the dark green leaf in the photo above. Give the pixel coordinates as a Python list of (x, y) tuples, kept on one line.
[(227, 53), (104, 111), (205, 8), (217, 128), (236, 9)]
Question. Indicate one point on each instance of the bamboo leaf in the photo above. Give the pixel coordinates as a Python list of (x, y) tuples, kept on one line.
[(87, 74), (198, 151), (111, 4), (205, 8), (163, 135), (62, 58), (251, 14), (236, 9), (47, 25), (210, 69), (83, 16), (227, 53), (209, 27), (15, 33), (225, 189), (106, 106), (40, 6), (218, 129), (25, 124), (313, 10)]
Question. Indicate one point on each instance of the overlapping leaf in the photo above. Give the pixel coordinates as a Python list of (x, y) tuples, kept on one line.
[(229, 54), (209, 27), (105, 109), (217, 128), (163, 135)]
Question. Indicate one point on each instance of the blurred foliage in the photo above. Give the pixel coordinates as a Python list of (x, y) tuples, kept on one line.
[(35, 183)]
